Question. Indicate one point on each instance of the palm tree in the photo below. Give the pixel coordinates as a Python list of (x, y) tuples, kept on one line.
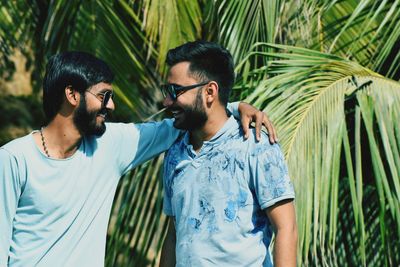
[(338, 122), (324, 71)]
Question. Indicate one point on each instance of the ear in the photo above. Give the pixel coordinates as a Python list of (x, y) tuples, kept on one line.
[(72, 96), (212, 92)]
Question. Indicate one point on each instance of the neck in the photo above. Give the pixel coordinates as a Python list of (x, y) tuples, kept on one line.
[(216, 120), (60, 138)]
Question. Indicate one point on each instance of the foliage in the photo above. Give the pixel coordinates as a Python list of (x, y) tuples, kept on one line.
[(19, 115), (326, 86), (319, 103)]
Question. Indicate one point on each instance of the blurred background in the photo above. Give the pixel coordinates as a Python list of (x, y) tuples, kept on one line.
[(325, 71)]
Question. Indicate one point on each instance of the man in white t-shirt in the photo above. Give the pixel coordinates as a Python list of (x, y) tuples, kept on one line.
[(57, 184)]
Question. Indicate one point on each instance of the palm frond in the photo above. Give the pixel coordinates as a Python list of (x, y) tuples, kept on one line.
[(138, 226), (170, 23), (308, 95), (366, 31), (243, 23), (336, 116)]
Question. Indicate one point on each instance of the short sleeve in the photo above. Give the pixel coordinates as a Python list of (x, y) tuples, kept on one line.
[(269, 178), (10, 191)]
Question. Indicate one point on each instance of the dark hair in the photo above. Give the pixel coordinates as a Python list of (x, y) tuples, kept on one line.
[(208, 62), (79, 70)]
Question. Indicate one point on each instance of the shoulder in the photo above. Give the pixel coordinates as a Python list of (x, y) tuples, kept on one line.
[(8, 161), (261, 150), (18, 147), (15, 155), (13, 161), (251, 142), (118, 131), (118, 127), (5, 155)]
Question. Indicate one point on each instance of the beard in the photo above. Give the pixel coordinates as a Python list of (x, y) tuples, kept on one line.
[(193, 116), (85, 121)]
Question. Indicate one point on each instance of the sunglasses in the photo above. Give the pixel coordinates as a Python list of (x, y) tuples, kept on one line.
[(103, 97), (174, 90)]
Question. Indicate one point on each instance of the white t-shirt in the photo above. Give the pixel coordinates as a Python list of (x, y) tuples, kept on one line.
[(55, 212)]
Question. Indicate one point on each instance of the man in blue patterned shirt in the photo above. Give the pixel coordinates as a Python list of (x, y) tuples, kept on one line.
[(225, 195)]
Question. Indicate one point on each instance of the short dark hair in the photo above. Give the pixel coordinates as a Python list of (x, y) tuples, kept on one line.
[(79, 70), (208, 61)]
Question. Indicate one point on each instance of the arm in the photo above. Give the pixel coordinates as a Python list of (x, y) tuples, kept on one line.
[(155, 138), (10, 191), (168, 249), (275, 193), (133, 144), (283, 220), (247, 114)]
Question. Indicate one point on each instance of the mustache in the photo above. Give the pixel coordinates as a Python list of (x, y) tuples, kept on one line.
[(103, 111)]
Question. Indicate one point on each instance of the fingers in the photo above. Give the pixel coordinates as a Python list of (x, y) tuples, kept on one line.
[(250, 114), (262, 119), (273, 137), (245, 125), (259, 122)]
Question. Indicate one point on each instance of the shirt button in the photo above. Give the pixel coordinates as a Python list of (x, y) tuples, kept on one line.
[(196, 164)]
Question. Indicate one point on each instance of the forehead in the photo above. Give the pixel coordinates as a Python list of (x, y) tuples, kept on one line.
[(179, 74), (101, 87)]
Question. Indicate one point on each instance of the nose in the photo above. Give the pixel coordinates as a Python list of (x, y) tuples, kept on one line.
[(168, 101), (110, 104)]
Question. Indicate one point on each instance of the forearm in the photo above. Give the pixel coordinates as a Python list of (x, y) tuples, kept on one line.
[(168, 254), (168, 249), (285, 248)]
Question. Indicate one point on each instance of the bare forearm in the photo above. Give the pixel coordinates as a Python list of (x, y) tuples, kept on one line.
[(285, 248), (168, 249), (168, 255)]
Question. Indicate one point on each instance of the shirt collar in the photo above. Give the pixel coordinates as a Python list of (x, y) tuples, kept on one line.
[(230, 127)]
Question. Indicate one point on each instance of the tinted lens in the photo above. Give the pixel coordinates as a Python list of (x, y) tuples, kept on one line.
[(106, 98), (168, 89)]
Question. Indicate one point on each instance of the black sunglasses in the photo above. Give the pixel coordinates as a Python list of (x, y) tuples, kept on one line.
[(173, 90), (104, 97)]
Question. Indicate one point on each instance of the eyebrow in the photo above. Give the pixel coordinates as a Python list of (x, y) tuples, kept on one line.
[(178, 85), (105, 90)]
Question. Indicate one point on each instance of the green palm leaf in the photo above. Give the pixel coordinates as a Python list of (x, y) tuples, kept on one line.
[(108, 29), (365, 30), (138, 225), (170, 23), (243, 23), (337, 118), (319, 102)]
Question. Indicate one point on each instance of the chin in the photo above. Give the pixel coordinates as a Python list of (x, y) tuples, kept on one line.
[(178, 125), (99, 133), (186, 125), (100, 130), (96, 130), (181, 124)]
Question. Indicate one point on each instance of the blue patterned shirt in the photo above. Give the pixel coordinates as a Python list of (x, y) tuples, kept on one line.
[(218, 197)]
